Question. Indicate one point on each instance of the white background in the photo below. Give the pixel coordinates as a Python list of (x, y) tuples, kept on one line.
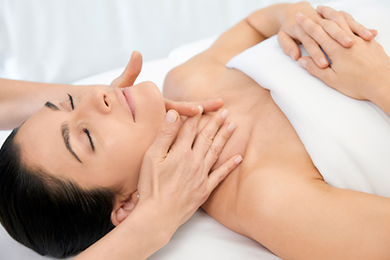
[(66, 40)]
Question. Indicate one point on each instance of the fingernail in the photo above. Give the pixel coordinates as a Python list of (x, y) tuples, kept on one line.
[(347, 39), (225, 114), (231, 127), (323, 62), (302, 62), (200, 109), (367, 33), (238, 159), (298, 14), (171, 117), (292, 54)]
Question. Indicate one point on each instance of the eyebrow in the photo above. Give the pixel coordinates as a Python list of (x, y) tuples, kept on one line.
[(65, 136), (51, 106)]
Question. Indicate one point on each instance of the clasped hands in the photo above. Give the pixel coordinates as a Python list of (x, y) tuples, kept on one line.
[(359, 66)]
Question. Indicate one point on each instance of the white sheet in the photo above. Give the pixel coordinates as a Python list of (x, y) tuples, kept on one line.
[(348, 140)]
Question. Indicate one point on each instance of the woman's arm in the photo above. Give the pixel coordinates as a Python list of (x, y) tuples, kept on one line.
[(278, 20), (257, 27), (361, 72), (174, 182)]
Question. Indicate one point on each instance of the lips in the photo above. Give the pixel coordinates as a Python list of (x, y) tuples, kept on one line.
[(126, 98)]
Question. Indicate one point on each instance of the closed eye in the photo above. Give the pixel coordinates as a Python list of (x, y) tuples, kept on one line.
[(90, 139), (84, 130), (71, 101)]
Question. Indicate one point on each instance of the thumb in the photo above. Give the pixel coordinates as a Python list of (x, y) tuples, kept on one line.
[(131, 72), (166, 135)]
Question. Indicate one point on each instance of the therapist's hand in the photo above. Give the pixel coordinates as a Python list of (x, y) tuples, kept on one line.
[(192, 108), (291, 33), (360, 72), (133, 69), (131, 72), (177, 177)]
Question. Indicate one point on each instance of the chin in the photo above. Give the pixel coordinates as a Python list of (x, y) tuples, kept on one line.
[(151, 101)]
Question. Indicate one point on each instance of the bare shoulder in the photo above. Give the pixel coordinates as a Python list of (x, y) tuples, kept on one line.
[(206, 68), (189, 81)]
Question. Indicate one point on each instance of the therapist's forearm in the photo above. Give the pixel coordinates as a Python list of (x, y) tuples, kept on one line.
[(148, 228), (21, 99)]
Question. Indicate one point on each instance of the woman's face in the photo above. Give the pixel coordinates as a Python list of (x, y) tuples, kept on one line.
[(99, 143)]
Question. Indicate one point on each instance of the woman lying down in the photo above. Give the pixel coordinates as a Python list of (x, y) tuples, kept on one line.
[(112, 156)]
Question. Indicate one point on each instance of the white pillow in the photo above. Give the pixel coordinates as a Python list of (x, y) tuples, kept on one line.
[(348, 140)]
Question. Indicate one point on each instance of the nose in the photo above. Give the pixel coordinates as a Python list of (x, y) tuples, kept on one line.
[(95, 101)]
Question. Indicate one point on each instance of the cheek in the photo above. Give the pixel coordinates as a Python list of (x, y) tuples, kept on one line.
[(121, 166), (128, 150)]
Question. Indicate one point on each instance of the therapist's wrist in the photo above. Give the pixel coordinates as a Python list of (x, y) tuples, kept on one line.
[(163, 220)]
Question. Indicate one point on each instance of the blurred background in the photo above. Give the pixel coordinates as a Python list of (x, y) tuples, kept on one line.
[(66, 40)]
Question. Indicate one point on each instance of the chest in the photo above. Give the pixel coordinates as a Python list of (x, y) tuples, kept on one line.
[(263, 136)]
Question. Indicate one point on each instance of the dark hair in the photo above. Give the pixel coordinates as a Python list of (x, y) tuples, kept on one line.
[(51, 216)]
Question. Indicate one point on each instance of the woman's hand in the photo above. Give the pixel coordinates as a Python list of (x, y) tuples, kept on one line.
[(177, 177), (291, 33), (361, 72)]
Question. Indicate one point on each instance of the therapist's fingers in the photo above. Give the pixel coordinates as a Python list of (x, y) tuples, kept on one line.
[(187, 133), (192, 108), (218, 144), (211, 105), (131, 72), (205, 139), (289, 45), (166, 135), (222, 171), (347, 22)]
